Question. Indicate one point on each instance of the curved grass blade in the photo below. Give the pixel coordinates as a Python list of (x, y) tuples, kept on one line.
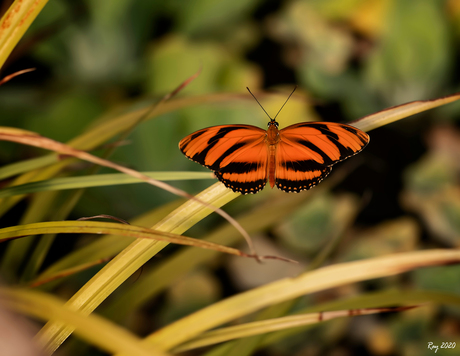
[(270, 325), (96, 290), (107, 129), (248, 345), (94, 329), (33, 139), (155, 281), (98, 227), (31, 176), (395, 113), (13, 258), (100, 180), (15, 74), (285, 289), (28, 165), (104, 247), (15, 23), (371, 300), (68, 272), (386, 298), (40, 252)]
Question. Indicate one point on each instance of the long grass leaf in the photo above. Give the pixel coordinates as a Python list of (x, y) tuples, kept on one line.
[(105, 246), (100, 180), (34, 139), (97, 227), (95, 291), (271, 325), (371, 300), (395, 113), (28, 165), (93, 328), (168, 271), (14, 256), (285, 289), (15, 23)]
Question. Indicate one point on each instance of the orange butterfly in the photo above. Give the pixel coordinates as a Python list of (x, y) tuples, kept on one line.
[(295, 158)]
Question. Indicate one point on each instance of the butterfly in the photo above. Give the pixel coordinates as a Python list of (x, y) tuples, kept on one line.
[(295, 158)]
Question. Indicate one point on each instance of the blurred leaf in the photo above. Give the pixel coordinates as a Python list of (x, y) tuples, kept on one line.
[(440, 211), (453, 9), (320, 53), (369, 17), (441, 278), (204, 16), (430, 175), (325, 47), (263, 273), (67, 116), (399, 235), (189, 294), (431, 188), (413, 58), (317, 222), (166, 66)]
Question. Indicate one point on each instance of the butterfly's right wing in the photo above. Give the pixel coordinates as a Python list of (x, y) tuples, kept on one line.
[(237, 154), (307, 151)]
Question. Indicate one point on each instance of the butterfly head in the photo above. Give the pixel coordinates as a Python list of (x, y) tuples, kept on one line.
[(272, 123)]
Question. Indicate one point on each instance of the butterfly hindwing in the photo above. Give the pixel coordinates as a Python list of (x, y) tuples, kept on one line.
[(237, 154), (295, 172), (247, 172)]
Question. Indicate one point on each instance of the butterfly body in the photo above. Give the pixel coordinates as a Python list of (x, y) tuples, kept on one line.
[(272, 139), (295, 158)]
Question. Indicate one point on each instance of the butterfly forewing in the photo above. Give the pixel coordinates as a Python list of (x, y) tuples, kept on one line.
[(325, 142), (237, 154)]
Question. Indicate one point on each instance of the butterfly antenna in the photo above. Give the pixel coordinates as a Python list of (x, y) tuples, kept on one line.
[(285, 102), (260, 104)]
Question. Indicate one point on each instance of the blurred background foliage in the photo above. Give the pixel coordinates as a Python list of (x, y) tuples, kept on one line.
[(350, 58)]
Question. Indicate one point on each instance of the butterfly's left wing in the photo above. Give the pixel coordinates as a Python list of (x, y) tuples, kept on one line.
[(237, 154), (307, 151)]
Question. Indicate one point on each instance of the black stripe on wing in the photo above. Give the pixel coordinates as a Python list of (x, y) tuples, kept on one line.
[(244, 177), (200, 157), (212, 145), (239, 186), (325, 129), (333, 142), (297, 181)]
